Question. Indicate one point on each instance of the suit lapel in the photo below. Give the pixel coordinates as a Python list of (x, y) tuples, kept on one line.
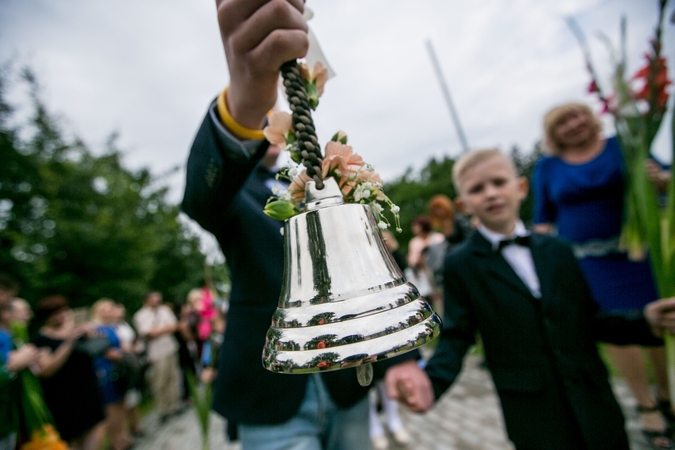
[(496, 266)]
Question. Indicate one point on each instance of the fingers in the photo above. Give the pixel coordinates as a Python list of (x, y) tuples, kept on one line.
[(274, 34)]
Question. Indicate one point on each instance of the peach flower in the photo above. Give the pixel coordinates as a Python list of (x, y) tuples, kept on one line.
[(340, 160), (318, 75), (280, 124), (297, 187)]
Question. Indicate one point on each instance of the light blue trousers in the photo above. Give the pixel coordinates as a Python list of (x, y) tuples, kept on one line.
[(318, 425)]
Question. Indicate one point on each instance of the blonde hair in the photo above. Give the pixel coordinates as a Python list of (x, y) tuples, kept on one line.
[(195, 295), (472, 159), (553, 118), (95, 310)]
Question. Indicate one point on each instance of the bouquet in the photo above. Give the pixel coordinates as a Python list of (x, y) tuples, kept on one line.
[(356, 179), (638, 105), (35, 415)]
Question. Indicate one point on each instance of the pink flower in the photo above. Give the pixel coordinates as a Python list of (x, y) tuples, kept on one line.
[(280, 124)]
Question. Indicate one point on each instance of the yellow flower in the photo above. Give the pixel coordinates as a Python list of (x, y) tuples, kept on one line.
[(280, 125), (46, 438)]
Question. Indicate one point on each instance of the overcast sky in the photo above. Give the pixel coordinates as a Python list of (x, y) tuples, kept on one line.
[(148, 69)]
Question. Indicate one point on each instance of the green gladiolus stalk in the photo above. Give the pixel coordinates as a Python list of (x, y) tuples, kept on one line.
[(638, 114)]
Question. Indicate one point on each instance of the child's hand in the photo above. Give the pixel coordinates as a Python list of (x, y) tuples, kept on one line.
[(661, 316), (410, 385), (258, 37)]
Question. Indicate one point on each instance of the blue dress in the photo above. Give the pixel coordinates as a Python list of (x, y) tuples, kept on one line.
[(104, 368), (585, 201)]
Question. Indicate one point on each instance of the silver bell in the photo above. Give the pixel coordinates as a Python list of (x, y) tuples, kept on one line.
[(344, 301)]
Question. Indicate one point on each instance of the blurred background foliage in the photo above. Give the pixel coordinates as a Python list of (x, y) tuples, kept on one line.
[(78, 223)]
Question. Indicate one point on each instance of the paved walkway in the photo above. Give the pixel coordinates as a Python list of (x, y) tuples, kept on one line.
[(466, 418)]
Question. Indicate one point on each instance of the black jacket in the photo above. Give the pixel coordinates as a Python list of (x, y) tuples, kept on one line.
[(542, 353), (225, 193)]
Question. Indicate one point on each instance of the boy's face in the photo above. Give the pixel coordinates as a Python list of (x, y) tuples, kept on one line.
[(492, 192)]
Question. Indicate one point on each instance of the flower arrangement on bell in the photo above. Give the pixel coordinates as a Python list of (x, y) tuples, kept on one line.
[(356, 178)]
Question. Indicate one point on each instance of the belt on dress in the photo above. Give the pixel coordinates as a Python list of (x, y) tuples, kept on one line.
[(596, 248)]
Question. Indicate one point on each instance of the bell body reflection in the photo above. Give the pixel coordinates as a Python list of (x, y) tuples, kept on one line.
[(344, 301)]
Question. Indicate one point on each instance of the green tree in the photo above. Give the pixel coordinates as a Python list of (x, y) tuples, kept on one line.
[(82, 225)]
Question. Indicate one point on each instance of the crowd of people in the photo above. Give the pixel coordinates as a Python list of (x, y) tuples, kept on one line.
[(95, 368)]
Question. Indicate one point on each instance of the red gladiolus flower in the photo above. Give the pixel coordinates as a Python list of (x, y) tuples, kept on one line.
[(593, 87)]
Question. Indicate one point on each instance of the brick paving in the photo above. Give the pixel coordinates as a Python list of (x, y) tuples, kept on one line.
[(467, 417)]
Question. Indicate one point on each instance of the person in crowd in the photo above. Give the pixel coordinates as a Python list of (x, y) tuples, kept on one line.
[(12, 361), (156, 323), (129, 344), (188, 348), (104, 318), (21, 311), (538, 321), (418, 271), (442, 219), (68, 376), (229, 179), (579, 190)]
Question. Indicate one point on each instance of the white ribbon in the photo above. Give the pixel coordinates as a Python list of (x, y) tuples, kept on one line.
[(315, 53)]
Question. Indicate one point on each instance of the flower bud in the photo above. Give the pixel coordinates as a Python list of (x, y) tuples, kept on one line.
[(281, 210)]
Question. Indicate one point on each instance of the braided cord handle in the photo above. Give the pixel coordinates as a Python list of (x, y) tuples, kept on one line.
[(303, 125)]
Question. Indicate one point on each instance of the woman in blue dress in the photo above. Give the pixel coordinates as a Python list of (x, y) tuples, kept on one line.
[(104, 316), (578, 190)]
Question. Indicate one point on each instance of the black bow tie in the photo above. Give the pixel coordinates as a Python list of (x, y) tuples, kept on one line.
[(518, 240)]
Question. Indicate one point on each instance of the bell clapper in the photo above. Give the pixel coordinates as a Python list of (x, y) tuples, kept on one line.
[(364, 374)]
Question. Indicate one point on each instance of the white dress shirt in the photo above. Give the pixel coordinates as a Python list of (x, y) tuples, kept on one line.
[(518, 257)]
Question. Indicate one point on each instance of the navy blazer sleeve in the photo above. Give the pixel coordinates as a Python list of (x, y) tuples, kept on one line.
[(459, 328), (217, 168)]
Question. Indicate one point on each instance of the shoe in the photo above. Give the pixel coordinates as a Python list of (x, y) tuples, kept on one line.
[(402, 437), (657, 439), (666, 411), (380, 443)]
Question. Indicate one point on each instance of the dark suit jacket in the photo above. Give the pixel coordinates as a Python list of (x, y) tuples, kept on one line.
[(542, 352), (225, 193)]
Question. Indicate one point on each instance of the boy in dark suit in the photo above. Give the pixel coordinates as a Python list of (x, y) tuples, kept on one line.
[(539, 324)]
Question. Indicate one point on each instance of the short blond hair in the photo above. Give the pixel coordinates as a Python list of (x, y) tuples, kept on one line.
[(472, 159), (553, 118)]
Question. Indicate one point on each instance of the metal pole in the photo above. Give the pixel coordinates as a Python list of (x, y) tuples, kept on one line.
[(446, 94)]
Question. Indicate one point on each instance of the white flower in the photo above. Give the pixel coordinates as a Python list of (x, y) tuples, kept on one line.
[(377, 207), (285, 196), (293, 172), (395, 209), (281, 230), (275, 190), (362, 192), (382, 225)]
